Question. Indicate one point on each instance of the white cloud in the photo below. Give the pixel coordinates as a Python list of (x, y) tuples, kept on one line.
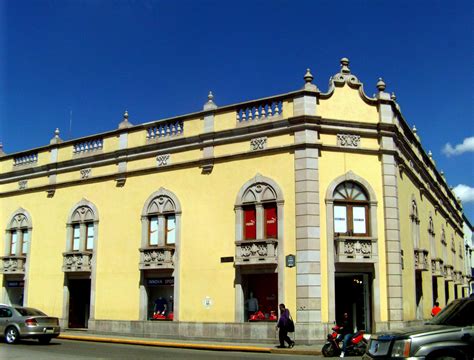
[(465, 192), (466, 146)]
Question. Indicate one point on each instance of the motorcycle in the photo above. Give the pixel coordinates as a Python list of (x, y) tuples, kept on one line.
[(333, 345)]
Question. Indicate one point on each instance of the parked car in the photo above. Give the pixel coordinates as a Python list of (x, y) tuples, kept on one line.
[(17, 322), (449, 335)]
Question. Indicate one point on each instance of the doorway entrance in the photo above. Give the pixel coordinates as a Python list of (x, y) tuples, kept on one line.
[(79, 302), (14, 290), (353, 295), (264, 288)]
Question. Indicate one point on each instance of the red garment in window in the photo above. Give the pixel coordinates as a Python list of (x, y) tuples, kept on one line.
[(250, 224), (271, 223)]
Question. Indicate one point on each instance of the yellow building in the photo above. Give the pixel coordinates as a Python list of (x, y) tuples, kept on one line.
[(326, 202)]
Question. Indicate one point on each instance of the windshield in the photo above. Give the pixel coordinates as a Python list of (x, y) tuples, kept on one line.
[(457, 313), (29, 311)]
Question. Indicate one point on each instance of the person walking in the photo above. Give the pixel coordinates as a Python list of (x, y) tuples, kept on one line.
[(436, 309), (282, 326)]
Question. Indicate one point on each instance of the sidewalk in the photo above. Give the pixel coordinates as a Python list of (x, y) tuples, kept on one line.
[(191, 344)]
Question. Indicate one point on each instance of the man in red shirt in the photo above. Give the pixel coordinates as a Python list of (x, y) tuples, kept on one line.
[(436, 309)]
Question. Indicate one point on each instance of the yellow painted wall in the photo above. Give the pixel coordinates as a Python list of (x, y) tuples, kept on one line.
[(331, 166), (346, 104), (203, 239)]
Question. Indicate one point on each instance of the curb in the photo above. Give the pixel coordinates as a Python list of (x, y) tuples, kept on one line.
[(212, 347)]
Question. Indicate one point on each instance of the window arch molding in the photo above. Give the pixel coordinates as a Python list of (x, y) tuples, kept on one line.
[(19, 226), (160, 203), (432, 236), (414, 222), (372, 201), (82, 227), (258, 191)]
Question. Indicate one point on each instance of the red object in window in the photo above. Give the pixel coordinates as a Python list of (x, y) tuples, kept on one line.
[(250, 224), (271, 222)]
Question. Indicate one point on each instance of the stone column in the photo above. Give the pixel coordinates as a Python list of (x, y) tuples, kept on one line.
[(391, 213), (307, 202)]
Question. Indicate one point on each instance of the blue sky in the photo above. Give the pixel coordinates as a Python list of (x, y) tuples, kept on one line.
[(160, 58)]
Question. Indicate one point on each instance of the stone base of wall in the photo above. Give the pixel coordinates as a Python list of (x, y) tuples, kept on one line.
[(305, 334), (223, 332)]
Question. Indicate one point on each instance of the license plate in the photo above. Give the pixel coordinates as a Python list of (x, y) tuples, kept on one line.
[(49, 331)]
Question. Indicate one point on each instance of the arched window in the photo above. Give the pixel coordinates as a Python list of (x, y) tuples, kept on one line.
[(415, 225), (431, 236), (18, 234), (82, 227), (160, 218), (258, 209), (351, 210)]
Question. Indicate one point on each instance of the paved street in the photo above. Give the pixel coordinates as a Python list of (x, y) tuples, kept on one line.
[(66, 349)]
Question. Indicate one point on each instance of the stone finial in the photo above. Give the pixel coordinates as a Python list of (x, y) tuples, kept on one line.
[(442, 174), (2, 153), (56, 139), (124, 124), (308, 78), (415, 132), (430, 154), (393, 96), (381, 85), (345, 66), (210, 104)]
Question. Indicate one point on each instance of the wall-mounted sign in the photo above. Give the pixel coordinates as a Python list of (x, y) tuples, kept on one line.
[(16, 284), (168, 281), (290, 260)]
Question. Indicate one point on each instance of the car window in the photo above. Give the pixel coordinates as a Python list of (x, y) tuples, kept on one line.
[(4, 312), (457, 313), (29, 311)]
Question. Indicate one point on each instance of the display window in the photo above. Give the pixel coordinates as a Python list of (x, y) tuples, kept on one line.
[(160, 298), (271, 221), (250, 223)]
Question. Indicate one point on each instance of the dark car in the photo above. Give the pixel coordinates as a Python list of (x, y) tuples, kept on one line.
[(17, 322), (449, 335)]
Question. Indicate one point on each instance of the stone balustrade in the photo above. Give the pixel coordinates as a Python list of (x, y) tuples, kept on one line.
[(448, 273), (25, 159), (421, 260), (159, 257), (249, 252), (77, 261), (13, 264), (437, 267), (260, 111), (87, 146), (457, 277), (165, 130), (355, 249)]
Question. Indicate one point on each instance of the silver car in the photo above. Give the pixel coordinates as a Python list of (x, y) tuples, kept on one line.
[(17, 322)]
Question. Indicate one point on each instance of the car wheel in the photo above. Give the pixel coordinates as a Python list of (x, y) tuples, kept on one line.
[(11, 335), (44, 340), (445, 356)]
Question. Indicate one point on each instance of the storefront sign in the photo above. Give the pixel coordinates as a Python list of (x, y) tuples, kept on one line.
[(290, 260), (16, 284), (160, 281)]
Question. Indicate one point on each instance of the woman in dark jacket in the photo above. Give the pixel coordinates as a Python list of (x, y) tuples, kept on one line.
[(282, 325)]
